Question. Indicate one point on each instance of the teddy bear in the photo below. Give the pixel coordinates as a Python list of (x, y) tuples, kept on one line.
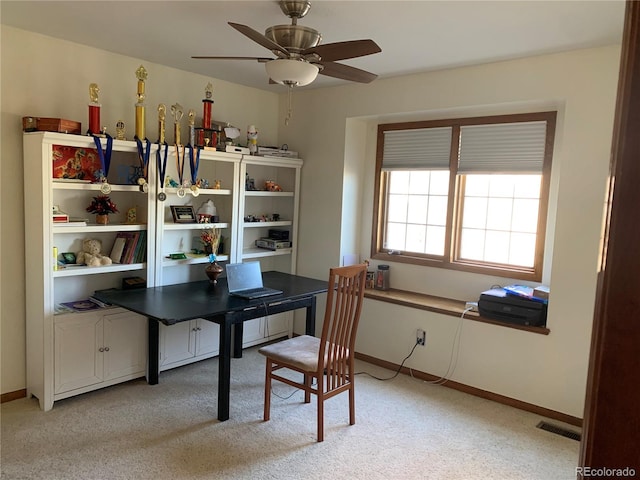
[(90, 254)]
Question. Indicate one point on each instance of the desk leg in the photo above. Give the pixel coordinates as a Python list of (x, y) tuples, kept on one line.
[(238, 333), (310, 328), (224, 368), (310, 325), (153, 364)]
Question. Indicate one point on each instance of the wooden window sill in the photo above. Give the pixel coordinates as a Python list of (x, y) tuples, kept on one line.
[(446, 306)]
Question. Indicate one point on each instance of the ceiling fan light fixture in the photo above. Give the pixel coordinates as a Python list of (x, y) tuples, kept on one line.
[(291, 72)]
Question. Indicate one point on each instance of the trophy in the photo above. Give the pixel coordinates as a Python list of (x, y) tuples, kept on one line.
[(252, 139), (176, 111), (94, 109), (120, 130), (162, 114), (141, 75), (162, 162), (192, 131), (207, 137)]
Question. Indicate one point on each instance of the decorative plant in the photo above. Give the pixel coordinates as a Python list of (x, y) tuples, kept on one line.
[(102, 205), (211, 239)]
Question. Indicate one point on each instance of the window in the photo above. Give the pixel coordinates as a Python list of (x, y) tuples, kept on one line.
[(468, 194)]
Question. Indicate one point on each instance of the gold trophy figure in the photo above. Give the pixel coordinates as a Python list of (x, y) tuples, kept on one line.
[(94, 109), (176, 111), (120, 130), (192, 127), (141, 75), (162, 114)]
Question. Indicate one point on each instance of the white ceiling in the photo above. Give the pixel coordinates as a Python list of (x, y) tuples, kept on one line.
[(415, 36)]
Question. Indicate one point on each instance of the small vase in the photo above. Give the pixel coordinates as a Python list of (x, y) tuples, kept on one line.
[(102, 219), (213, 271)]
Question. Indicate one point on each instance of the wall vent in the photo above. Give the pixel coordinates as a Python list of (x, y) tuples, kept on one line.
[(559, 430)]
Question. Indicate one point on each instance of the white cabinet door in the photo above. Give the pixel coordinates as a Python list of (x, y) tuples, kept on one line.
[(177, 342), (278, 325), (78, 363), (252, 331), (124, 339), (207, 338)]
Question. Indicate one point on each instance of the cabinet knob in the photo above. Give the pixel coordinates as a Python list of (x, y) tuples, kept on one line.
[(198, 328), (101, 349), (106, 349)]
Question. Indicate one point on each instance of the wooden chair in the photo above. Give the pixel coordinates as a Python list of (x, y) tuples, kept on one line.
[(328, 359)]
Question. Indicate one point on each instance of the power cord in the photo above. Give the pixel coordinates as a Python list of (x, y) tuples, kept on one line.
[(266, 318), (453, 362), (397, 371)]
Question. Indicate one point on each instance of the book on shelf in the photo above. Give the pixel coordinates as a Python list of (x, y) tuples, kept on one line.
[(130, 248), (71, 223), (59, 309), (81, 305), (117, 249), (124, 247), (100, 303), (141, 248)]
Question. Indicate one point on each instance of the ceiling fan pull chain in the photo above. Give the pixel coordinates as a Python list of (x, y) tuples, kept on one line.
[(290, 105)]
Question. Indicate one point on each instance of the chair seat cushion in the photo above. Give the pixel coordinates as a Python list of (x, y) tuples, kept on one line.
[(301, 352)]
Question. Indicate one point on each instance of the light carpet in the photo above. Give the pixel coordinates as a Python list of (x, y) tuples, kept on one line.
[(405, 429)]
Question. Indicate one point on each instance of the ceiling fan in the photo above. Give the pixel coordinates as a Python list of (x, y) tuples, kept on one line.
[(299, 54)]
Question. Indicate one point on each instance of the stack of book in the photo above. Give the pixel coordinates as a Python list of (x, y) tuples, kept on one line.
[(129, 247), (90, 303)]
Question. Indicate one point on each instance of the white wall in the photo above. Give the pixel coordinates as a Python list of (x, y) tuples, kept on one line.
[(46, 77), (335, 129)]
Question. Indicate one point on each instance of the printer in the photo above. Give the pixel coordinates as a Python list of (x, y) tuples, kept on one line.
[(508, 305)]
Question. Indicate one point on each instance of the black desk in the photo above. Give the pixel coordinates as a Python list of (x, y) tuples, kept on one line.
[(186, 301)]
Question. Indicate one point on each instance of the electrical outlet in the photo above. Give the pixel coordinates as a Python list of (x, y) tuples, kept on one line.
[(471, 306), (421, 337)]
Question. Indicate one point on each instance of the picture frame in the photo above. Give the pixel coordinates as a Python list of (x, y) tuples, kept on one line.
[(69, 258), (183, 214)]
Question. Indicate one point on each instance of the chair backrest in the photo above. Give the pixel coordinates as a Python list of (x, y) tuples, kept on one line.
[(341, 318)]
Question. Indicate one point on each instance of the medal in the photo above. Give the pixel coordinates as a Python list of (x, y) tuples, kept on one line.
[(143, 156), (180, 167), (105, 187), (105, 162), (162, 168), (194, 164)]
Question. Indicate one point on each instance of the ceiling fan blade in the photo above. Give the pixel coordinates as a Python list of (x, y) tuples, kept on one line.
[(206, 57), (330, 52), (345, 72), (259, 38)]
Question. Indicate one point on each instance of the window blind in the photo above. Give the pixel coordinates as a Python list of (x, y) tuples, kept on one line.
[(502, 148), (417, 149)]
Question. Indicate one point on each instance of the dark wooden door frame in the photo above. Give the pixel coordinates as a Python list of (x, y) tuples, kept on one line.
[(611, 428)]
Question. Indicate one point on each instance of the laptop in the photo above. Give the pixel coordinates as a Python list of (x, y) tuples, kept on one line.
[(245, 280)]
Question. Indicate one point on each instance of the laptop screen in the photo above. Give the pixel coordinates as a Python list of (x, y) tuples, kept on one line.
[(241, 276)]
